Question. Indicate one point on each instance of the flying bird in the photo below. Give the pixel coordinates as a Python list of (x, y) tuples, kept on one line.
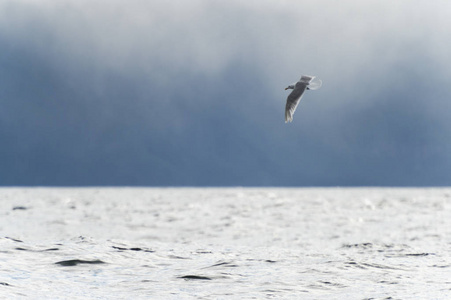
[(306, 82)]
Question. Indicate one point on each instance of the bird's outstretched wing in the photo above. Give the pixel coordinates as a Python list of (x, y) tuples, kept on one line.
[(292, 102)]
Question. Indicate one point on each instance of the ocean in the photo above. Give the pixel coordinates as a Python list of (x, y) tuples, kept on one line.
[(225, 243)]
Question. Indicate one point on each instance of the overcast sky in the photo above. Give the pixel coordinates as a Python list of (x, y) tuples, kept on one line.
[(170, 93)]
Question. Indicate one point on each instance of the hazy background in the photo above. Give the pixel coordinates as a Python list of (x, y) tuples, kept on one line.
[(192, 92)]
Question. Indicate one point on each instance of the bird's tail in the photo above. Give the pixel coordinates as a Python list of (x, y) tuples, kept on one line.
[(314, 85)]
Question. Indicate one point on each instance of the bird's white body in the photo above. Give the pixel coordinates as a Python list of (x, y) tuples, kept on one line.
[(306, 82)]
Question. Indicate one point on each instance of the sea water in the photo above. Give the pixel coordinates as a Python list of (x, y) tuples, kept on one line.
[(225, 243)]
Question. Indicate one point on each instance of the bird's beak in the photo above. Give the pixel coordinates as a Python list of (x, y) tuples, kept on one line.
[(286, 89)]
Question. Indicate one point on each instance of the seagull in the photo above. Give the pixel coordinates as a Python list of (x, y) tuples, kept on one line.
[(306, 82)]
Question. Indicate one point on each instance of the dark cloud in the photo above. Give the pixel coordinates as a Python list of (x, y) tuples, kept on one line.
[(151, 94)]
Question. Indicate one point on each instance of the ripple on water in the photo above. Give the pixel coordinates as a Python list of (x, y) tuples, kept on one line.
[(213, 243)]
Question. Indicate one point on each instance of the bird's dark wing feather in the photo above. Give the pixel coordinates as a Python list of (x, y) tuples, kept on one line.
[(293, 100)]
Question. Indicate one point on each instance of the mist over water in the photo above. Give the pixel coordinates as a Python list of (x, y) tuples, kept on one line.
[(117, 243)]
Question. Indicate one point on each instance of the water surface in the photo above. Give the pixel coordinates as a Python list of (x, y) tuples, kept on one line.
[(232, 243)]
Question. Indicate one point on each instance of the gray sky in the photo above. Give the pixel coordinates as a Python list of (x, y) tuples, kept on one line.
[(192, 93)]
